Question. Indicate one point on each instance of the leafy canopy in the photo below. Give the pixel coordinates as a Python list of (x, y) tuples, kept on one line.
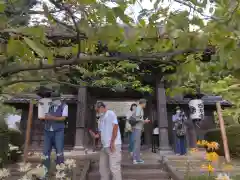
[(64, 45)]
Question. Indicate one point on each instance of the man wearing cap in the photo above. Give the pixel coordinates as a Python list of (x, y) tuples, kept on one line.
[(137, 130), (54, 130), (110, 156)]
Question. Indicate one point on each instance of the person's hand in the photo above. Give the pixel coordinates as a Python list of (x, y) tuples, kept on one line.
[(147, 121), (48, 116), (97, 136), (112, 147)]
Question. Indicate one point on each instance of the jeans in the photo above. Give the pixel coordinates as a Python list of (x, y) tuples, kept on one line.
[(180, 145), (131, 141), (53, 139), (137, 144)]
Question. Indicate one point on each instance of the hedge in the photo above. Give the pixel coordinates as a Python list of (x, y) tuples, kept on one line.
[(233, 135), (7, 137)]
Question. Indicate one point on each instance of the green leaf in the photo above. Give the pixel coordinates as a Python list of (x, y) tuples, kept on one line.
[(15, 48), (33, 45), (37, 32), (191, 66), (2, 6)]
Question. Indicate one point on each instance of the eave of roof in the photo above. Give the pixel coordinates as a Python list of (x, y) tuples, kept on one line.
[(208, 100)]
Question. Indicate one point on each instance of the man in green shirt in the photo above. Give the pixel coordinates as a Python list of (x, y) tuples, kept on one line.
[(137, 130)]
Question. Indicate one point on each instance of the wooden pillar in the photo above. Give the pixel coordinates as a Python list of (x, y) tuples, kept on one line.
[(81, 118), (28, 131), (162, 116), (223, 133)]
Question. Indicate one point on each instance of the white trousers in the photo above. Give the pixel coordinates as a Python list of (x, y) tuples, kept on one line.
[(110, 164)]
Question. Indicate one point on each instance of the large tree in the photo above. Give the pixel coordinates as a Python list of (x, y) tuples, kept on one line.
[(104, 46)]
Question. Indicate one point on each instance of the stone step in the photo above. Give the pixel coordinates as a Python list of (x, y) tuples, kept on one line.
[(128, 165), (183, 163), (197, 173), (136, 174)]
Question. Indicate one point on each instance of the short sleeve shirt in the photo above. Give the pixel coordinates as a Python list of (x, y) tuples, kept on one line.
[(106, 123)]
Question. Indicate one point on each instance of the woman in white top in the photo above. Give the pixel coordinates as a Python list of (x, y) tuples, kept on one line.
[(155, 137), (128, 128)]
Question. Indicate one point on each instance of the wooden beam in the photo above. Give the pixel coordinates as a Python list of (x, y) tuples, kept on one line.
[(28, 131), (223, 133)]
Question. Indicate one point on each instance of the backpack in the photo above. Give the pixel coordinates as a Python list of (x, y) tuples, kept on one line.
[(180, 126)]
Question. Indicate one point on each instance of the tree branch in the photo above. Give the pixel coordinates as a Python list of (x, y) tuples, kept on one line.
[(70, 13), (185, 3), (8, 83), (86, 58)]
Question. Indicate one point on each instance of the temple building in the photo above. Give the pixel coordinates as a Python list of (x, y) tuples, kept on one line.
[(82, 116)]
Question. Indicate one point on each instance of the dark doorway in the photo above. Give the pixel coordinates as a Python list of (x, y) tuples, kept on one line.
[(122, 122)]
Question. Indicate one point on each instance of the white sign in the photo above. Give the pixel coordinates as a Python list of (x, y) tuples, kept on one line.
[(43, 107), (196, 107)]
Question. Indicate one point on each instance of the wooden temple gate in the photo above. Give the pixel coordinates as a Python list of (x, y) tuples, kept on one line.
[(82, 115)]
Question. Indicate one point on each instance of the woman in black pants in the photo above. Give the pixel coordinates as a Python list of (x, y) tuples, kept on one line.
[(155, 138)]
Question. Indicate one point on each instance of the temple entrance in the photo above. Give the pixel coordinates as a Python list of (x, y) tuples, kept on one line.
[(122, 108)]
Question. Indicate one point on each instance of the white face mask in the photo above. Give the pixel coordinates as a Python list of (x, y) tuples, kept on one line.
[(101, 114), (134, 108), (178, 111)]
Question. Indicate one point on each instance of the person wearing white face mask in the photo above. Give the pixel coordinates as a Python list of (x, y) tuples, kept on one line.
[(179, 130), (54, 124), (110, 155)]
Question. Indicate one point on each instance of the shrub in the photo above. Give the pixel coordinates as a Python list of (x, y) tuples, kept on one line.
[(233, 134), (16, 138), (4, 141), (13, 138)]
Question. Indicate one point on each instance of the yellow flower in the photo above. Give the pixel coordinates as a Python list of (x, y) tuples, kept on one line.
[(212, 156), (210, 168), (213, 146), (193, 150)]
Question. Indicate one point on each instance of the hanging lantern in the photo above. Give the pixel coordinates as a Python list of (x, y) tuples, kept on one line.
[(196, 107), (43, 107)]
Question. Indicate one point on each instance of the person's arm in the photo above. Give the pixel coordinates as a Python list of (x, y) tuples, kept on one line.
[(139, 114), (115, 127), (62, 118), (174, 118)]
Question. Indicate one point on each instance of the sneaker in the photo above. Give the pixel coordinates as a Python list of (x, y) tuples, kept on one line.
[(138, 162)]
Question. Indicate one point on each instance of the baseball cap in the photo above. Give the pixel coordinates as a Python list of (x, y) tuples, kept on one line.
[(142, 101), (99, 105)]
